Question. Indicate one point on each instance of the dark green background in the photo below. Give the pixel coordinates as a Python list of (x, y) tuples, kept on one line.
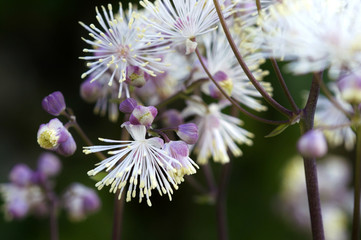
[(39, 48)]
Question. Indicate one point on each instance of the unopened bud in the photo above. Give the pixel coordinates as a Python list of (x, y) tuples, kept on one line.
[(143, 115), (49, 164), (90, 91), (226, 84), (54, 103), (21, 175), (312, 144), (188, 132), (128, 105), (350, 88), (172, 118)]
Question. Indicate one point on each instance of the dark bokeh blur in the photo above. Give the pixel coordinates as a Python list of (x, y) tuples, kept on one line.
[(39, 48)]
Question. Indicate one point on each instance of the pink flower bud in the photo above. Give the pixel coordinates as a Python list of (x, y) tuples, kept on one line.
[(54, 103), (188, 132), (312, 144), (143, 115)]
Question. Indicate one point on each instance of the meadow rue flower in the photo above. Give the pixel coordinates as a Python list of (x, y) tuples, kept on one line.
[(328, 115), (350, 88), (139, 163), (49, 164), (218, 132), (54, 103), (19, 201), (120, 42), (79, 201), (314, 35), (54, 136), (101, 93), (188, 132), (312, 144), (143, 115), (179, 151), (179, 22), (225, 68), (21, 175)]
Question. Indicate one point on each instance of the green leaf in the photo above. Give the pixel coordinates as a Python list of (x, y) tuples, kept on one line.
[(278, 130), (99, 176)]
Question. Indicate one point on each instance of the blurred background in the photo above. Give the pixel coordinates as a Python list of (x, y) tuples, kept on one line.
[(39, 48)]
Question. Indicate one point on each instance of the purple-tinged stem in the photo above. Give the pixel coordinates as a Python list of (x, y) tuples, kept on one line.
[(306, 124), (255, 117), (357, 186), (221, 203), (118, 216), (245, 68), (119, 204)]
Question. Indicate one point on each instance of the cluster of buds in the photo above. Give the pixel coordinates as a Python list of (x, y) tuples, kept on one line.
[(30, 192), (54, 135)]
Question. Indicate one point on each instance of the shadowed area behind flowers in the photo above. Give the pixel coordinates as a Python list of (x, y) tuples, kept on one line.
[(39, 48)]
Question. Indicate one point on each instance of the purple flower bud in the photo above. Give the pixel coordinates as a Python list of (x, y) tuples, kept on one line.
[(128, 105), (188, 132), (49, 164), (312, 144), (136, 76), (172, 118), (54, 136), (350, 88), (79, 201), (54, 103), (143, 115), (91, 201), (90, 91), (17, 208), (21, 175), (225, 82)]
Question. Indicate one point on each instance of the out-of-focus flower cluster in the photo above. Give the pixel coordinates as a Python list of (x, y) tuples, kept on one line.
[(31, 192), (334, 175)]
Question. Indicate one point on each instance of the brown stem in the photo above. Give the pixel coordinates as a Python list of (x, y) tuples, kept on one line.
[(245, 68), (313, 195), (255, 117)]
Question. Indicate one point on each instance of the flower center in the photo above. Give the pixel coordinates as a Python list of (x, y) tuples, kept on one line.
[(123, 51), (48, 139)]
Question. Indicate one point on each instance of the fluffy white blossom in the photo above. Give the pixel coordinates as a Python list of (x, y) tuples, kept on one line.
[(219, 57), (140, 163), (328, 115), (121, 41), (181, 21), (218, 132), (314, 34)]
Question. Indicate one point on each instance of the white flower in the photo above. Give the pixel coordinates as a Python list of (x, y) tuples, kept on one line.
[(122, 41), (218, 132), (219, 57), (141, 161), (181, 21), (328, 115), (314, 34)]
